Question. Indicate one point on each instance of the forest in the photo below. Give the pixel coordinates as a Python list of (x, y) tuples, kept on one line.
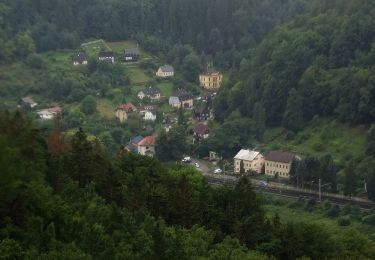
[(295, 71), (66, 198)]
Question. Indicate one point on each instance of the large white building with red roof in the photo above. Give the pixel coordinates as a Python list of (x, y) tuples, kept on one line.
[(147, 146)]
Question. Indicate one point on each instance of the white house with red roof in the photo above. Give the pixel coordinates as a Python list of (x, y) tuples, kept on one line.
[(49, 113), (147, 146), (122, 111)]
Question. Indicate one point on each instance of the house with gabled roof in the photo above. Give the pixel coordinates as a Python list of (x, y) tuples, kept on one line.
[(107, 56), (150, 92), (79, 58), (133, 144), (211, 78), (185, 98), (147, 146), (27, 102), (49, 113), (252, 161), (123, 111), (131, 54), (165, 71), (278, 163), (201, 131)]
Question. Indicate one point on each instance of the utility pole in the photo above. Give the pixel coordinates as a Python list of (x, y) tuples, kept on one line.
[(320, 193)]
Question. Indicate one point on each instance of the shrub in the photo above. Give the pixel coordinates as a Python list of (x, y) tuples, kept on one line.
[(297, 204), (333, 212), (370, 219), (344, 221), (290, 136), (318, 147), (310, 205), (327, 205)]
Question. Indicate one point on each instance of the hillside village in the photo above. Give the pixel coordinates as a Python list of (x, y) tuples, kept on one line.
[(161, 110), (151, 103), (156, 106)]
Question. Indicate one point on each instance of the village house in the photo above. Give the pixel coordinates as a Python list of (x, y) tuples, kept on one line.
[(201, 113), (181, 98), (150, 92), (122, 112), (146, 108), (131, 54), (133, 144), (166, 71), (211, 79), (107, 56), (278, 163), (79, 58), (174, 102), (27, 102), (147, 146), (149, 116), (201, 131), (49, 113), (252, 161)]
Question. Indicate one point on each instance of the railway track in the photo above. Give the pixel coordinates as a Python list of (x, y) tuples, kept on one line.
[(366, 205)]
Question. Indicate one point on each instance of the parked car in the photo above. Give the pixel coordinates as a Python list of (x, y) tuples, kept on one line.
[(196, 165), (186, 160), (218, 171), (263, 183)]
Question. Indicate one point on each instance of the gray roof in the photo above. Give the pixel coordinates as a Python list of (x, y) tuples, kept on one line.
[(280, 156), (246, 155), (131, 51), (151, 91), (174, 100), (182, 94), (79, 57), (105, 54), (167, 68), (28, 100)]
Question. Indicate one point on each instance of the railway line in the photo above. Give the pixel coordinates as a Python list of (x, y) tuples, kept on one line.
[(293, 193)]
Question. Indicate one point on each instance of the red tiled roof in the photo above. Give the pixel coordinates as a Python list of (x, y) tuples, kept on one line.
[(128, 107), (278, 156), (148, 141), (55, 110)]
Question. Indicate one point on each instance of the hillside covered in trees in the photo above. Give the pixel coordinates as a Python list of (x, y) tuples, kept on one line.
[(294, 65), (224, 28), (67, 199)]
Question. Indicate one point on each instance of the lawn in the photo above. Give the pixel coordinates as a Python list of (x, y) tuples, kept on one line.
[(106, 108), (137, 76), (120, 46), (166, 88), (58, 60), (92, 48), (320, 138)]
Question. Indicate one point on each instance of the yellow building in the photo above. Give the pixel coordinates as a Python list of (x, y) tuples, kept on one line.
[(278, 163), (211, 79)]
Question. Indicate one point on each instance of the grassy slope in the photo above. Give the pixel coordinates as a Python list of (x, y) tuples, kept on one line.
[(317, 216), (320, 138)]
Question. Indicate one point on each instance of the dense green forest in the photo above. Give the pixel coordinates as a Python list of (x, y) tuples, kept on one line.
[(67, 199), (224, 29)]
